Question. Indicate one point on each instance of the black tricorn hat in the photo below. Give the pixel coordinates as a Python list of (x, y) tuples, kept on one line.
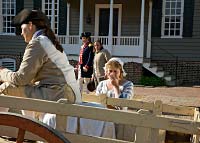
[(85, 34), (27, 15)]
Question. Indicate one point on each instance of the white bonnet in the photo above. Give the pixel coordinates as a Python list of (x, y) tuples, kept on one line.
[(120, 62)]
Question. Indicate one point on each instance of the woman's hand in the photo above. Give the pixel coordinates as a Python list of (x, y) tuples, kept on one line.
[(114, 81)]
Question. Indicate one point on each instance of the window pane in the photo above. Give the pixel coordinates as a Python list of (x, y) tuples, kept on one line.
[(178, 25), (46, 6), (178, 11), (172, 19), (178, 5), (167, 5), (167, 19), (171, 32), (177, 32), (172, 25), (167, 25), (173, 5), (173, 11), (166, 32), (178, 19), (167, 12)]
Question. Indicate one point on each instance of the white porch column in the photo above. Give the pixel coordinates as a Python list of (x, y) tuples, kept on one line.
[(142, 29), (148, 54), (53, 15), (81, 19), (67, 30), (110, 34)]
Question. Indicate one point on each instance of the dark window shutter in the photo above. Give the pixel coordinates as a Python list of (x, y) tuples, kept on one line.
[(188, 18), (37, 4), (156, 18), (19, 7), (62, 17)]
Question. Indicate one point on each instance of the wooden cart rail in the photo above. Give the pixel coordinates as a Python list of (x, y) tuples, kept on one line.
[(165, 108), (146, 122)]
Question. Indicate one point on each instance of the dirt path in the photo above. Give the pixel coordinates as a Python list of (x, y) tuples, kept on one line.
[(187, 96)]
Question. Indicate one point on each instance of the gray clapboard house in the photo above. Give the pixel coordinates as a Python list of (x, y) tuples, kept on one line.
[(161, 36)]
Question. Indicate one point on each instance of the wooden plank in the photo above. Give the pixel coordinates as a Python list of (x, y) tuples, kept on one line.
[(110, 101), (181, 110), (118, 102), (143, 134), (130, 103), (157, 110), (91, 98), (75, 138), (159, 122), (61, 121), (196, 138)]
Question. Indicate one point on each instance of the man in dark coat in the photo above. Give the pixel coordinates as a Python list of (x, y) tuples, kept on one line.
[(85, 60)]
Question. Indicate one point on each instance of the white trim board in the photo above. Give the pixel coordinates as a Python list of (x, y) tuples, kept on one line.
[(97, 8)]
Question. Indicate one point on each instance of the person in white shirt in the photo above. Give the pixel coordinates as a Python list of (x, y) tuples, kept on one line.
[(45, 72)]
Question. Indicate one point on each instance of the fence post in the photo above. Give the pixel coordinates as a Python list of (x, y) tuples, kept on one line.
[(157, 136), (195, 138), (61, 121), (143, 135)]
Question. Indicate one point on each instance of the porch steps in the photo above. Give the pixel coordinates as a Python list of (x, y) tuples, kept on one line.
[(159, 72)]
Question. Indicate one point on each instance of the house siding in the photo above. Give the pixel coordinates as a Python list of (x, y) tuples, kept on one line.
[(74, 17), (15, 45), (186, 48), (28, 4)]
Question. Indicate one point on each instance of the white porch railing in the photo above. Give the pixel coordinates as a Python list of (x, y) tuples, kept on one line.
[(128, 46), (122, 40)]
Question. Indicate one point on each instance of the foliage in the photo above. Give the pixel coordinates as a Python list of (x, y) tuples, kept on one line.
[(152, 81)]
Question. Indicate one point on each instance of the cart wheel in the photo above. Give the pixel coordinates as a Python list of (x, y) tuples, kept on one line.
[(26, 124)]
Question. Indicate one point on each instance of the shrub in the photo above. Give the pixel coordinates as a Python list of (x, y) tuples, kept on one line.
[(152, 81)]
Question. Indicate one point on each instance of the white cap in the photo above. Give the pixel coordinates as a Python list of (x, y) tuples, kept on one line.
[(120, 62)]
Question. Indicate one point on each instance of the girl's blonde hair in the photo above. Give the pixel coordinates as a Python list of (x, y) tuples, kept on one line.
[(114, 64)]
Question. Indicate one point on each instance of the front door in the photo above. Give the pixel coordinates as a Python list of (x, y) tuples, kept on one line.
[(104, 14)]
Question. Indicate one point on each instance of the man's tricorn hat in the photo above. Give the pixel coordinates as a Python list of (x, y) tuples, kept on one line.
[(85, 34), (27, 15)]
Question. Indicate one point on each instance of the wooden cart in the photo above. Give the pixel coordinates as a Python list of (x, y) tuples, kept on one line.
[(147, 118)]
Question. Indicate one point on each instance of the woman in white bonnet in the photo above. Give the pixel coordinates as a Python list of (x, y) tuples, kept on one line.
[(115, 85)]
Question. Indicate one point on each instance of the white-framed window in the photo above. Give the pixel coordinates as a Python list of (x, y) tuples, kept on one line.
[(172, 18), (47, 9), (7, 13), (8, 63)]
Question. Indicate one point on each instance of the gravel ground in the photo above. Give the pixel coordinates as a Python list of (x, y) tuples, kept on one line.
[(185, 96)]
